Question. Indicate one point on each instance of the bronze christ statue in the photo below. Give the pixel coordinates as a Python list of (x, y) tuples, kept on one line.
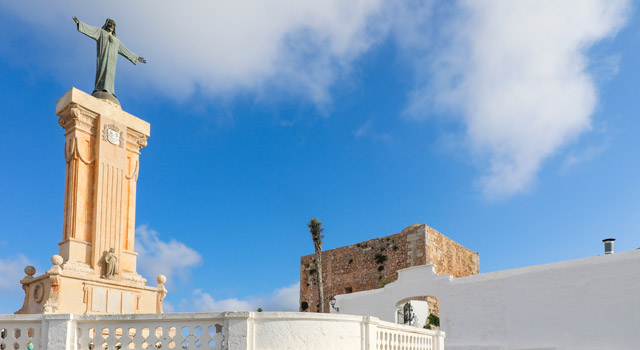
[(109, 46)]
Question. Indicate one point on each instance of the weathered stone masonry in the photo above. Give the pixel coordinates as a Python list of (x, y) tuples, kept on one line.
[(374, 263)]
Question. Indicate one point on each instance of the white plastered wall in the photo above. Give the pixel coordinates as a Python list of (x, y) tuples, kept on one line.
[(591, 303)]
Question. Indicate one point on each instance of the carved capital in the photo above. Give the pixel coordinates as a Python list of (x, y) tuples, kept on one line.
[(135, 141), (78, 117), (62, 122), (75, 112), (142, 142)]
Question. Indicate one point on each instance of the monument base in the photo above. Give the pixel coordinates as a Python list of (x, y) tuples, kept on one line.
[(61, 290), (103, 95)]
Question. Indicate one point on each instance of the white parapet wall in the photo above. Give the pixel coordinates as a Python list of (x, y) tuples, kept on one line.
[(224, 330), (585, 304)]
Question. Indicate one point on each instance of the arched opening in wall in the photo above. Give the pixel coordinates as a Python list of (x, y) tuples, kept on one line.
[(419, 311)]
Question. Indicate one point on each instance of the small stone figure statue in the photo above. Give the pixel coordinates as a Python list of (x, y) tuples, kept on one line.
[(111, 264), (109, 46)]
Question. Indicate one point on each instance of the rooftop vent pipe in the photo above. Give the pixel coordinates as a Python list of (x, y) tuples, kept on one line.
[(608, 245)]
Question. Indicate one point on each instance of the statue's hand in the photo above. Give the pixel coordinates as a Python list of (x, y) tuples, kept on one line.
[(75, 19), (142, 60)]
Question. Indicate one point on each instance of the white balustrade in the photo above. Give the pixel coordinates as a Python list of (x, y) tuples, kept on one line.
[(388, 338), (18, 334), (158, 334), (215, 331)]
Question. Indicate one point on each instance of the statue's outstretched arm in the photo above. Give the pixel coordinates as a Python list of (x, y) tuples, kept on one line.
[(90, 31), (128, 54)]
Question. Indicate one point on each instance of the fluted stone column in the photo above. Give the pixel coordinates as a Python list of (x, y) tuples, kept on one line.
[(102, 151)]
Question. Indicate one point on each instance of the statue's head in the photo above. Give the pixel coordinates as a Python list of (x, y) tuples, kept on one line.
[(110, 26), (111, 250)]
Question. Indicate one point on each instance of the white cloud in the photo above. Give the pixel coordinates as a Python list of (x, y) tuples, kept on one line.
[(606, 67), (282, 299), (575, 158), (155, 257), (11, 272), (363, 130), (221, 47), (367, 130), (168, 307), (517, 71)]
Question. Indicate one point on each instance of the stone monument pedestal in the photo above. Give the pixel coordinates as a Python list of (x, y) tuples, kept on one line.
[(64, 291), (95, 271)]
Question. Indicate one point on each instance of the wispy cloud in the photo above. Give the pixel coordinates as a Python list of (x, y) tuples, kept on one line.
[(517, 73), (281, 299), (367, 130), (170, 258), (11, 272), (575, 158), (363, 130), (604, 68)]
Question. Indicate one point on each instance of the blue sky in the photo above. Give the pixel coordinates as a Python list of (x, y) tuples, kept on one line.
[(508, 126)]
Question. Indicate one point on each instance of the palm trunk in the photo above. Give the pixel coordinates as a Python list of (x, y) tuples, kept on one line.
[(320, 285)]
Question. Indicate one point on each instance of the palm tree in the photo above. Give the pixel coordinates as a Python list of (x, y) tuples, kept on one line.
[(315, 227)]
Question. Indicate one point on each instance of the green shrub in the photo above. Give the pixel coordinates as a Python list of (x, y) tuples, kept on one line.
[(380, 258), (432, 322), (384, 282)]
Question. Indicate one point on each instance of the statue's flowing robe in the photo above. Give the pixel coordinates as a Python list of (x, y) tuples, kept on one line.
[(112, 265), (109, 46)]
